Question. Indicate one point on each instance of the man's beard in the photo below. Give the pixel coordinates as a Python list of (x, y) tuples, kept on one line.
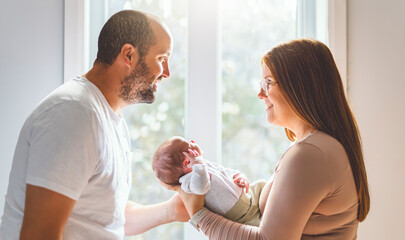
[(137, 87)]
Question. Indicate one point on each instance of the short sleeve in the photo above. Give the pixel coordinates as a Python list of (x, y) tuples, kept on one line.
[(63, 149)]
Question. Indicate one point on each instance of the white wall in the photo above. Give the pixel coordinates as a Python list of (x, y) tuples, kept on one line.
[(376, 64), (31, 66)]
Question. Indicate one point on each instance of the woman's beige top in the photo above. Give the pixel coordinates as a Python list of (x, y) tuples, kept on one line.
[(311, 195)]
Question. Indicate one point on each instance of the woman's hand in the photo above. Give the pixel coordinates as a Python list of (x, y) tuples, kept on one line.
[(192, 202)]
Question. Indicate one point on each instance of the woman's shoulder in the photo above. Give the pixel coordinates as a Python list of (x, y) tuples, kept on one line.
[(305, 150), (306, 164), (323, 142), (318, 157), (321, 137), (320, 149), (315, 148)]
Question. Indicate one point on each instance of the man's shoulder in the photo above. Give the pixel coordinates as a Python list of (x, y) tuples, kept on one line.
[(76, 90), (71, 96)]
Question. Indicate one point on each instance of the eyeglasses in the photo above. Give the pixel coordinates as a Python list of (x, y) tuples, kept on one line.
[(266, 84)]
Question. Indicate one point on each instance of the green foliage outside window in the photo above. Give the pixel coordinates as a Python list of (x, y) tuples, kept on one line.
[(250, 29)]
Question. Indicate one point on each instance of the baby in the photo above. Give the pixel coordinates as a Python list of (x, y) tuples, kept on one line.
[(179, 162)]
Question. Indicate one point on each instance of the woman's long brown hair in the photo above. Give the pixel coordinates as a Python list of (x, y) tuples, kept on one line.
[(310, 81)]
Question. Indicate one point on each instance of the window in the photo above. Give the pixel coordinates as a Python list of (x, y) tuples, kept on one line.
[(149, 125), (249, 30), (211, 96)]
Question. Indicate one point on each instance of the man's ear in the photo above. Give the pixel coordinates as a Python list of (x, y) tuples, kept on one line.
[(129, 55)]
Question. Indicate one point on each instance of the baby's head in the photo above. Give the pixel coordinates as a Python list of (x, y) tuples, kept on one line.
[(169, 162)]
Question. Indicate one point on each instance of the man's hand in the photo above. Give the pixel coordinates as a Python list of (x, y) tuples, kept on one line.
[(241, 181), (45, 214), (142, 218), (178, 210), (192, 202)]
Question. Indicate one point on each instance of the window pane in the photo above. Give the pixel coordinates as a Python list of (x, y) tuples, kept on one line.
[(249, 29), (150, 125)]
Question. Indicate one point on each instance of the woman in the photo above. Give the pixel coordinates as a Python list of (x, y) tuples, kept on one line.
[(319, 189)]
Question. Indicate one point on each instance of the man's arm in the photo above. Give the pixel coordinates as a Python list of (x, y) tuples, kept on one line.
[(141, 218), (45, 214)]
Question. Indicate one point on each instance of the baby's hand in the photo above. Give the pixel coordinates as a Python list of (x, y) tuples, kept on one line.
[(193, 156), (241, 181)]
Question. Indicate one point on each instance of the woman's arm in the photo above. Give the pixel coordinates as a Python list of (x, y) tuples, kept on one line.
[(301, 181), (141, 218)]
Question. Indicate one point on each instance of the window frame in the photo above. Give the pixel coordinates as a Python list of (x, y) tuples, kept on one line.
[(73, 44), (203, 93), (337, 34), (75, 26)]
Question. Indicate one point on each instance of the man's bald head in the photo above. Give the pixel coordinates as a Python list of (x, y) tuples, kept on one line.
[(127, 26)]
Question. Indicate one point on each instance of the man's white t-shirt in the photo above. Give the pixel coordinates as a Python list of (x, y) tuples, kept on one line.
[(74, 144)]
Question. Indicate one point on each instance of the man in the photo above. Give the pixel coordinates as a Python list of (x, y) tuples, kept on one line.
[(71, 173)]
